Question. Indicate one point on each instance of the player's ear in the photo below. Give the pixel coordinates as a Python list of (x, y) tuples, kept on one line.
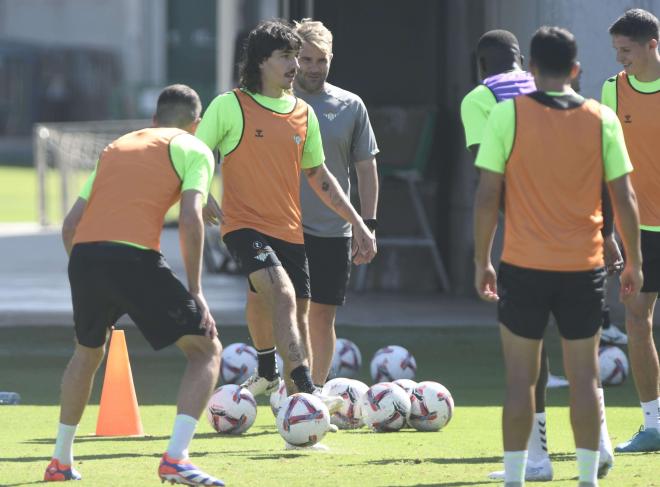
[(575, 70), (653, 45)]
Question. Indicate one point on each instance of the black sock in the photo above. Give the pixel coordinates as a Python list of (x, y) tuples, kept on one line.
[(267, 364), (302, 379)]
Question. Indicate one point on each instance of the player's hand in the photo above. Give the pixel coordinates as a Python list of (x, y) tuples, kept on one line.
[(631, 280), (485, 281), (613, 258), (212, 213), (207, 323), (364, 244)]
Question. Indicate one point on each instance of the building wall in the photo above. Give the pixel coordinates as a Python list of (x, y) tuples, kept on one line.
[(134, 29)]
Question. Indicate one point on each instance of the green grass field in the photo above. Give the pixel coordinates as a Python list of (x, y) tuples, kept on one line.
[(466, 360)]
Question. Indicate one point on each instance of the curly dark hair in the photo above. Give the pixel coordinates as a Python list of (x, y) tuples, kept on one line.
[(268, 36)]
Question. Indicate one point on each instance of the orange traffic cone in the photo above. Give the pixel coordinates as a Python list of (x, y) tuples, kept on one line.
[(118, 413)]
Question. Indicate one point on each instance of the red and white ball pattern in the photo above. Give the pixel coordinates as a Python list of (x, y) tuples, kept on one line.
[(392, 363), (432, 406), (303, 419), (351, 391), (237, 364), (385, 407), (231, 410)]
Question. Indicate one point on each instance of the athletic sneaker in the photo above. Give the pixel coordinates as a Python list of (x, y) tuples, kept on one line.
[(184, 472), (258, 385), (556, 381), (333, 428), (605, 464), (314, 447), (613, 336), (333, 403), (643, 440), (534, 471), (606, 460), (57, 472)]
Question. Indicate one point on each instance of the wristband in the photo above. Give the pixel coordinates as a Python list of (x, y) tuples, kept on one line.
[(371, 223)]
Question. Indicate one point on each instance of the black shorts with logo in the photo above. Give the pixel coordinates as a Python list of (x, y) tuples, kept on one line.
[(254, 251), (111, 279), (528, 296), (329, 268), (650, 243)]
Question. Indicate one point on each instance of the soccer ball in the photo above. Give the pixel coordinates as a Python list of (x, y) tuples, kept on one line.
[(393, 363), (431, 406), (613, 365), (231, 410), (385, 407), (406, 384), (238, 362), (347, 359), (351, 391), (303, 419), (277, 398)]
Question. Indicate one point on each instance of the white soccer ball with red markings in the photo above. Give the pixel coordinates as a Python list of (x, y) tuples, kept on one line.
[(237, 364), (613, 365), (351, 391), (231, 410), (385, 407), (392, 363), (408, 386), (431, 406), (303, 419), (277, 398), (347, 359)]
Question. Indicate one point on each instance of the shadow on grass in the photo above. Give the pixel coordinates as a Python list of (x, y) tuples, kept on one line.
[(132, 454), (92, 438), (418, 461)]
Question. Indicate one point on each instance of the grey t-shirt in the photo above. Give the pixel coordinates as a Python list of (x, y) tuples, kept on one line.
[(347, 138)]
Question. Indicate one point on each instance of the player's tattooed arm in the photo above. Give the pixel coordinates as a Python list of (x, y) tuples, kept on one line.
[(327, 188)]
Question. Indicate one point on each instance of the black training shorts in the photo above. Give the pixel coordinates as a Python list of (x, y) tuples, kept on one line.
[(528, 296), (650, 243), (329, 268), (110, 279), (254, 251)]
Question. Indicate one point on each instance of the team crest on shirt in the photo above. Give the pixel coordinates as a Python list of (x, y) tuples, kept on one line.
[(627, 119), (330, 116), (297, 139)]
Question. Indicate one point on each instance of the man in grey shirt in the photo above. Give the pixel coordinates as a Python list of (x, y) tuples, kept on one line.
[(348, 140)]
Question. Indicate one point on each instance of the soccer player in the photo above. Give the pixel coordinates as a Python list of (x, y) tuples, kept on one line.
[(267, 137), (634, 94), (552, 149), (348, 140), (500, 67), (112, 234)]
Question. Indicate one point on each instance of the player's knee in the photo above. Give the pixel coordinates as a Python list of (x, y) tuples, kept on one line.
[(90, 357)]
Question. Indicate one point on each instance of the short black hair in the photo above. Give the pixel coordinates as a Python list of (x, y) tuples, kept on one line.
[(638, 24), (553, 51), (178, 106), (498, 49), (263, 40)]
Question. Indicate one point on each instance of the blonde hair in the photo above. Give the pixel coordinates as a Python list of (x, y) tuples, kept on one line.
[(314, 32)]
